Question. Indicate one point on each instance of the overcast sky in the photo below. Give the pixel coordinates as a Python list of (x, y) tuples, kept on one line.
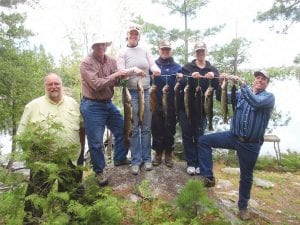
[(54, 19)]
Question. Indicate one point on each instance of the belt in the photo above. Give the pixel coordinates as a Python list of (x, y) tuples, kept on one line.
[(98, 100), (249, 140)]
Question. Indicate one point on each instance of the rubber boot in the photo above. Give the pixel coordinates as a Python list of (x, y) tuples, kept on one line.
[(169, 159), (157, 158)]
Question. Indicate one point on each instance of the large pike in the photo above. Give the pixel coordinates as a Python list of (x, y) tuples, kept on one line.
[(165, 100), (153, 97), (208, 105), (177, 97), (127, 116), (198, 103), (141, 101), (187, 100), (224, 101)]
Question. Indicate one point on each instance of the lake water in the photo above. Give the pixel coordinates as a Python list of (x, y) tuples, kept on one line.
[(287, 101)]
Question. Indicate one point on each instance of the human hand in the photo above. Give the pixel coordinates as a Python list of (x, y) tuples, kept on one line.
[(196, 75), (237, 79), (156, 73), (209, 75), (139, 72), (122, 74), (224, 76)]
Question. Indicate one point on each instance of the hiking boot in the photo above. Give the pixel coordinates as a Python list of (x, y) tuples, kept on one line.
[(148, 166), (157, 158), (244, 214), (208, 181), (191, 170), (122, 162), (168, 159), (135, 169), (102, 179)]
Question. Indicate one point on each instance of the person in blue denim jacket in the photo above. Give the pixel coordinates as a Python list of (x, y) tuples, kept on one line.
[(248, 125)]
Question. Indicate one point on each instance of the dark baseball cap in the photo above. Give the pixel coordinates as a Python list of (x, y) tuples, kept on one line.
[(262, 73)]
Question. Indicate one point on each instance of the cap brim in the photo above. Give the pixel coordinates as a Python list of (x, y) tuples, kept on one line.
[(200, 49), (165, 47), (107, 43), (260, 73), (134, 30)]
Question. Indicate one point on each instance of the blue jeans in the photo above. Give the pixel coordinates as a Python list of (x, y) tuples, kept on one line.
[(247, 154), (96, 116), (140, 143), (190, 133)]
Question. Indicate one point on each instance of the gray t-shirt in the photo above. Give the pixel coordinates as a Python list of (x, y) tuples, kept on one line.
[(139, 57)]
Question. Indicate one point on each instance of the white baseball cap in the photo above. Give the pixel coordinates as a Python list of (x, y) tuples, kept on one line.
[(100, 39)]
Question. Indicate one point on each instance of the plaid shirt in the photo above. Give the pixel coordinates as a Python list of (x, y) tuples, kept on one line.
[(252, 114)]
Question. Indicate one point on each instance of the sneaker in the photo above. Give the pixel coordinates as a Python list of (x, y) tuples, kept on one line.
[(157, 159), (168, 159), (135, 169), (148, 166), (197, 170), (191, 170), (102, 179), (244, 214), (208, 181), (122, 162)]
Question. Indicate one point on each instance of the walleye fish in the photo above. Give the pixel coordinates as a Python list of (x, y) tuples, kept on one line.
[(224, 101), (165, 100), (176, 97), (141, 101), (208, 106), (233, 97), (187, 101), (127, 116), (153, 97), (198, 103)]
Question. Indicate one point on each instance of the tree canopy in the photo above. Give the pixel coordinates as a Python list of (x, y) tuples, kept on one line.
[(188, 10), (282, 10)]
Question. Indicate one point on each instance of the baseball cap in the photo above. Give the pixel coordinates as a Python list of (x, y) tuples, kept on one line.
[(263, 73), (200, 45), (100, 39), (165, 44), (131, 28)]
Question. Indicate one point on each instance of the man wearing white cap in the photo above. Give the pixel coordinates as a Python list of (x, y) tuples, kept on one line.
[(99, 75), (247, 129)]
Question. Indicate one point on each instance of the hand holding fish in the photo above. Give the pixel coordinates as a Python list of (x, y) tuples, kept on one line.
[(237, 79), (224, 76), (156, 73), (196, 75), (209, 75), (138, 72), (122, 74)]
